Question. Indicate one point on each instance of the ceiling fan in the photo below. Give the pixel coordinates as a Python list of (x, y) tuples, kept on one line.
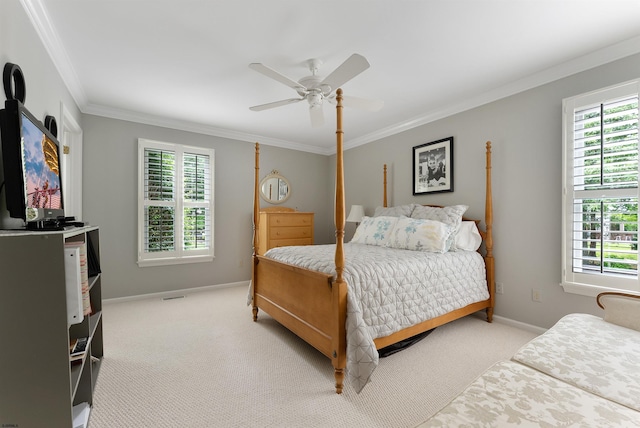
[(315, 89)]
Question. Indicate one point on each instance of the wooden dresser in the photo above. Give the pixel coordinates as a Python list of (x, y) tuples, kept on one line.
[(280, 227)]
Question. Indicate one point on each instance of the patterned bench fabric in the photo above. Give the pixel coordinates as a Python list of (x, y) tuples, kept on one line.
[(590, 353), (511, 394)]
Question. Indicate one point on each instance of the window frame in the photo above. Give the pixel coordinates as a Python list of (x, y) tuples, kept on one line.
[(584, 283), (178, 255)]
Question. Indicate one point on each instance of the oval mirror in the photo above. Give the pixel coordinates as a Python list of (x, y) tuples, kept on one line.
[(274, 188)]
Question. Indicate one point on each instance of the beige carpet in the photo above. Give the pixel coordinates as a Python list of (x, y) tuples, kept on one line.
[(201, 361)]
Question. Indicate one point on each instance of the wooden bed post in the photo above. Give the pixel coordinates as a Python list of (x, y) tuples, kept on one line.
[(313, 305), (488, 219), (384, 184), (339, 287), (256, 224)]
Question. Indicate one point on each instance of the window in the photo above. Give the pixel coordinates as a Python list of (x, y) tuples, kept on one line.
[(600, 191), (175, 203)]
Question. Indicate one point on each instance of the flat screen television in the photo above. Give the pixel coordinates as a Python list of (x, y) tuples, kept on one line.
[(31, 163)]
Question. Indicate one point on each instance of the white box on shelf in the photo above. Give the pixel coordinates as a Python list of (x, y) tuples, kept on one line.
[(73, 285), (81, 415)]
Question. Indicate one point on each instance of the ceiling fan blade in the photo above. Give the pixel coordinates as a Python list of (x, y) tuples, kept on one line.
[(317, 116), (349, 69), (359, 103), (275, 104), (270, 72)]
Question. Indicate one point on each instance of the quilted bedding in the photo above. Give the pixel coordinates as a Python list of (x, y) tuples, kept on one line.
[(391, 289)]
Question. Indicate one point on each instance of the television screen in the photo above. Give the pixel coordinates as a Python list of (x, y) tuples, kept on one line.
[(31, 163), (41, 168)]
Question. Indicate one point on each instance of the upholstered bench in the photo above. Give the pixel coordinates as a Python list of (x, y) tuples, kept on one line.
[(582, 372)]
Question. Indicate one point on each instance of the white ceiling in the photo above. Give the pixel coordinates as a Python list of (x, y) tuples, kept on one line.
[(184, 63)]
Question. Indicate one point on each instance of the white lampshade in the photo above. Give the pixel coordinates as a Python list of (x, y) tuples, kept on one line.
[(356, 214)]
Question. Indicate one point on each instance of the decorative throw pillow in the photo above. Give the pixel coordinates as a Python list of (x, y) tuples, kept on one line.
[(398, 211), (374, 230), (451, 215), (420, 235), (468, 237)]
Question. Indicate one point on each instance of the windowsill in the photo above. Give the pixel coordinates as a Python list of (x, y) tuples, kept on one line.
[(588, 290), (174, 261)]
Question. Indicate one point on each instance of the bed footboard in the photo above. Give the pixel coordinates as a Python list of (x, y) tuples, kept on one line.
[(310, 304), (313, 305)]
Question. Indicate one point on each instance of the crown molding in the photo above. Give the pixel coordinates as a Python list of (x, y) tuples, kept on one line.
[(198, 128), (594, 59), (37, 14)]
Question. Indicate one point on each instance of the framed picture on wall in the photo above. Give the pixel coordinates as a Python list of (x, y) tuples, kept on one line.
[(433, 167)]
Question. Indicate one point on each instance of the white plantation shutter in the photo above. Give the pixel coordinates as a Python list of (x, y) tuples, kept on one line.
[(197, 203), (159, 207), (175, 209), (600, 228)]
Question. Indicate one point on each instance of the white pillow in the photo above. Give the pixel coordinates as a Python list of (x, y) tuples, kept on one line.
[(398, 211), (420, 235), (374, 230), (451, 215), (468, 237)]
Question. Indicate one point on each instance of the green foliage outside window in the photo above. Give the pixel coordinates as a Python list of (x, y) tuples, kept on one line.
[(610, 226)]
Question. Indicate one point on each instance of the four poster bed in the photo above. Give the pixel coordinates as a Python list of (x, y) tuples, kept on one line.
[(305, 288)]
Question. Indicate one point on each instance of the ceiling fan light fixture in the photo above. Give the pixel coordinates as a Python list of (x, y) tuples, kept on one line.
[(315, 99), (314, 88)]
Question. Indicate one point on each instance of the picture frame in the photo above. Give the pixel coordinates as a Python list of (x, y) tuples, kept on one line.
[(433, 167)]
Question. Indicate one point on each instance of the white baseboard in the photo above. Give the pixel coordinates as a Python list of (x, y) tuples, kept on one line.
[(521, 325), (186, 291), (513, 323), (175, 293)]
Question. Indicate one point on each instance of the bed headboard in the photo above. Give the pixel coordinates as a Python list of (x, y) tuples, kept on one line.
[(486, 233), (488, 211)]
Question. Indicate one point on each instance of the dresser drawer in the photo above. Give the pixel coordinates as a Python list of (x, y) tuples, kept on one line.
[(285, 232), (288, 242), (284, 228), (295, 219)]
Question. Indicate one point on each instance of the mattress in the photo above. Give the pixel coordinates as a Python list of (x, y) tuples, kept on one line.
[(510, 394), (391, 289)]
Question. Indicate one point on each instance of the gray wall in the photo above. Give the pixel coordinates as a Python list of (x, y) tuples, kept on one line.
[(111, 195), (525, 130), (110, 178), (45, 90)]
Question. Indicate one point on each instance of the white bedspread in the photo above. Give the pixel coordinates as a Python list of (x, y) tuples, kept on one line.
[(391, 289)]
